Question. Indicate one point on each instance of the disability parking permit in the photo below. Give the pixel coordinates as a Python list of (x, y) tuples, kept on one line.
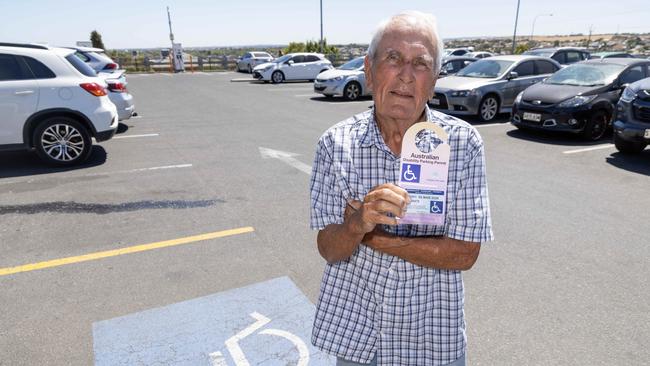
[(424, 170)]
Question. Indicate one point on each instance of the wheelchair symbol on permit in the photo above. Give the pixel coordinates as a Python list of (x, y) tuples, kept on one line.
[(232, 343), (411, 173)]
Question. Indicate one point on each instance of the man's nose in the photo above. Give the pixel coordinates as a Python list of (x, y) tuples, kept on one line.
[(407, 73)]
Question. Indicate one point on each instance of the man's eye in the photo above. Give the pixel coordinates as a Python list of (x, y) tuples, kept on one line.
[(393, 57)]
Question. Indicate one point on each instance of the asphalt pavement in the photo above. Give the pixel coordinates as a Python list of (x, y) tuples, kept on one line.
[(565, 281)]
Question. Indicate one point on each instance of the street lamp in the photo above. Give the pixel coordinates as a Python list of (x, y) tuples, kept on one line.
[(534, 20), (514, 35)]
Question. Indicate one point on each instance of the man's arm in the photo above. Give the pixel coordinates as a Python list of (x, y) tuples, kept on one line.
[(337, 242), (435, 252)]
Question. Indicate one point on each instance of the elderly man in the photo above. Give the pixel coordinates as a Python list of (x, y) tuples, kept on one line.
[(393, 294)]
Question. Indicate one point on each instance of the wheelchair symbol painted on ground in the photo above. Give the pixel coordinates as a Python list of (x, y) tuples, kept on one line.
[(411, 173), (232, 343)]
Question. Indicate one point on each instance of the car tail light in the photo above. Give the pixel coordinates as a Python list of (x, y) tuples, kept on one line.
[(110, 66), (94, 89), (117, 87)]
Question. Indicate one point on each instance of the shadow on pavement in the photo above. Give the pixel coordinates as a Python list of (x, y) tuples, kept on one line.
[(633, 163), (557, 138), (25, 163)]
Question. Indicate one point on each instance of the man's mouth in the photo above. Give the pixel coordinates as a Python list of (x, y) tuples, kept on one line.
[(402, 94)]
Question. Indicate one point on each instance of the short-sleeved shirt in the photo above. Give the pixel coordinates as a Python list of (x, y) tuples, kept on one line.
[(376, 303)]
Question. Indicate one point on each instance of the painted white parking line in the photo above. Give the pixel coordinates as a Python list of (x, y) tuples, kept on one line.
[(493, 125), (136, 136), (599, 147), (166, 167), (289, 89)]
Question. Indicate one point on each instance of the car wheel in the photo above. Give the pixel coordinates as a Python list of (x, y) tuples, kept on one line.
[(62, 141), (596, 126), (352, 91), (250, 69), (488, 108), (628, 147), (277, 77)]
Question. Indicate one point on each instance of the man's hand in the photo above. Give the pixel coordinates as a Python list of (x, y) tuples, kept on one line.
[(362, 217)]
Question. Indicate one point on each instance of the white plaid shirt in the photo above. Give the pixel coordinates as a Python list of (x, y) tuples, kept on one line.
[(378, 303)]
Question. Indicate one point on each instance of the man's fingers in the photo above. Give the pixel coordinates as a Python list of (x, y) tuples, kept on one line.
[(378, 218), (386, 207), (397, 198)]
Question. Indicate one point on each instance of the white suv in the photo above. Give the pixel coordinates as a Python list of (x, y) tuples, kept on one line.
[(52, 102), (293, 66)]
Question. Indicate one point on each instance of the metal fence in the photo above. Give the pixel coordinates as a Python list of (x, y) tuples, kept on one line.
[(199, 63)]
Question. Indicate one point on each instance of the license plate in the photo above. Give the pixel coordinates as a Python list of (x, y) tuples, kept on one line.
[(535, 117), (435, 101), (647, 134)]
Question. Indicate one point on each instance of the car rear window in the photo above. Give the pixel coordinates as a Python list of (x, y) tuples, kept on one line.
[(82, 56), (39, 70), (10, 69), (80, 65), (261, 54)]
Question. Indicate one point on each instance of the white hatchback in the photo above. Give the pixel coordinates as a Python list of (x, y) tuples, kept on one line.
[(293, 66), (52, 102)]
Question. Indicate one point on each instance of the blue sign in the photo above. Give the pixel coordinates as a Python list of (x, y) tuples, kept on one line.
[(436, 207), (411, 173), (267, 323)]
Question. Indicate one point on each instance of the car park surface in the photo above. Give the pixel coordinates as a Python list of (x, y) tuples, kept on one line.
[(559, 291)]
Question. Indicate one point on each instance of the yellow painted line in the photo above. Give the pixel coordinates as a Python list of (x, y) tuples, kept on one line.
[(122, 251)]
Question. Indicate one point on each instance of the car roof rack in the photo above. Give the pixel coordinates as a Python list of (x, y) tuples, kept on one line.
[(24, 45)]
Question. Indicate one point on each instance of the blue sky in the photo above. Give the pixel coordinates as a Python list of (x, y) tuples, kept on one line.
[(143, 23)]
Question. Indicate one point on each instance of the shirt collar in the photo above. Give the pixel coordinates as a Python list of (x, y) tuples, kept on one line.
[(372, 135)]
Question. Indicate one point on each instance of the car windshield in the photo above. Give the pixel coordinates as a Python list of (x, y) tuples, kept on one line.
[(485, 68), (282, 59), (352, 65), (541, 53), (261, 54), (586, 74)]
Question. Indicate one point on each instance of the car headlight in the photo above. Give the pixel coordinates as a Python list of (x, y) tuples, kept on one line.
[(628, 95), (338, 78), (267, 68), (463, 93), (576, 101), (518, 99)]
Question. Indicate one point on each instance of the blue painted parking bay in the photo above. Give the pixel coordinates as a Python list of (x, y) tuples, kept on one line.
[(268, 323)]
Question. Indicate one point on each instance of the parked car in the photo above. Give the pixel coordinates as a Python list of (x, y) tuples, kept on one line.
[(632, 123), (52, 102), (599, 55), (251, 59), (563, 55), (347, 80), (480, 54), (118, 93), (579, 98), (96, 58), (489, 86), (457, 51), (453, 64), (293, 66)]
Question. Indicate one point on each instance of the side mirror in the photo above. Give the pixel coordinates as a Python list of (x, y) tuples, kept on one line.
[(512, 75), (290, 62)]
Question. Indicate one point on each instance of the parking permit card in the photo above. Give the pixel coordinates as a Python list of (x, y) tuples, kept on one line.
[(424, 168)]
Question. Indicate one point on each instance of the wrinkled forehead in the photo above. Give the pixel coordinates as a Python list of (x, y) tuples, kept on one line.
[(407, 38)]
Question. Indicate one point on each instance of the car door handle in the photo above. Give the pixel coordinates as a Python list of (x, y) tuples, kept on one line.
[(24, 92)]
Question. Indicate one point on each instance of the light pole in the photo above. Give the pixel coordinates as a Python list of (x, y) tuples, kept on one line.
[(514, 35), (534, 20), (321, 26)]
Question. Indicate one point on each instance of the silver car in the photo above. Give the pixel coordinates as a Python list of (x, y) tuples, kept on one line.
[(251, 59), (118, 93), (489, 86), (348, 80)]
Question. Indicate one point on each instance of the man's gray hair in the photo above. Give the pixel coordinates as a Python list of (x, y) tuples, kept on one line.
[(413, 20)]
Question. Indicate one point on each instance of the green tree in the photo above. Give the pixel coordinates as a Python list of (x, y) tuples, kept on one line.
[(521, 48), (310, 46), (96, 40)]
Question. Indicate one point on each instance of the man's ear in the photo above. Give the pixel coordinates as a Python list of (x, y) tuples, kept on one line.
[(368, 72)]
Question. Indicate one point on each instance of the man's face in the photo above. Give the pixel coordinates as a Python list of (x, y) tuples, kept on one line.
[(401, 75)]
